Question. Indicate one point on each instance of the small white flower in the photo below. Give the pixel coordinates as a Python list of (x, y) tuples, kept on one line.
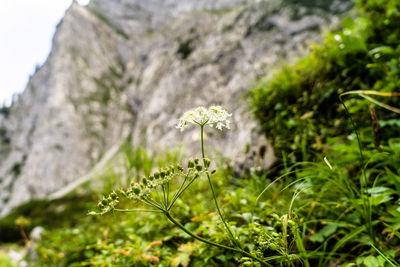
[(215, 116)]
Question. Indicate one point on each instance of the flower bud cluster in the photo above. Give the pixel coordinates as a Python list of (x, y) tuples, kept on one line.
[(196, 165), (143, 188), (207, 163), (106, 204), (271, 237), (267, 238)]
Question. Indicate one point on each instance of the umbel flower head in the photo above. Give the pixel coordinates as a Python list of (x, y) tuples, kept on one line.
[(141, 189), (214, 116)]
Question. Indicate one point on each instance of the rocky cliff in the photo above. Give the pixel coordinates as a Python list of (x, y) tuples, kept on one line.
[(122, 68)]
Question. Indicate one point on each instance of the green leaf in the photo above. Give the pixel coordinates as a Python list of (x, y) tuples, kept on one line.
[(385, 50), (324, 232), (318, 237), (371, 261), (329, 229)]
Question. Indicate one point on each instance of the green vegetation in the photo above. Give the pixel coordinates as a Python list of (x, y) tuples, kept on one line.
[(350, 212), (299, 109), (331, 199), (5, 261), (5, 110), (185, 48)]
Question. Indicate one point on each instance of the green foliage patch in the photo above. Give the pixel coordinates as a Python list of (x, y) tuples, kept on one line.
[(299, 107)]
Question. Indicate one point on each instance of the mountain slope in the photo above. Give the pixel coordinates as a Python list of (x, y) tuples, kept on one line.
[(120, 68)]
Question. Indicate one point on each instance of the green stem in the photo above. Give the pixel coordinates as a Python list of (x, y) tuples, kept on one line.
[(138, 210), (177, 193), (363, 179), (211, 242), (202, 141), (180, 193), (151, 203), (213, 193), (167, 194), (165, 198)]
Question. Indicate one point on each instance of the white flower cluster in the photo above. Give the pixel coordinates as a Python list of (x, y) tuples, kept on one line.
[(215, 116)]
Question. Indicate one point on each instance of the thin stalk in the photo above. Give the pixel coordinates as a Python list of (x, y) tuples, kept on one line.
[(158, 195), (168, 215), (363, 179), (284, 233), (151, 203), (167, 193), (180, 193), (138, 210), (213, 193), (22, 232), (202, 141), (380, 253), (180, 188), (165, 197), (177, 194)]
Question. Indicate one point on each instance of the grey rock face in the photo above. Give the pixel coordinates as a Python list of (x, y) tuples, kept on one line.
[(122, 67)]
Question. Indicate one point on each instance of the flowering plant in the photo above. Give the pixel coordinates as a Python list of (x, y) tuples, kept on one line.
[(215, 116), (163, 199)]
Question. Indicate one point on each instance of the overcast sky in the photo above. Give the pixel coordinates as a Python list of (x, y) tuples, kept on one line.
[(26, 30)]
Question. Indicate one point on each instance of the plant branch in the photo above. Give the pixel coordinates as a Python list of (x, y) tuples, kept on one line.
[(137, 210), (168, 215), (235, 241), (180, 193)]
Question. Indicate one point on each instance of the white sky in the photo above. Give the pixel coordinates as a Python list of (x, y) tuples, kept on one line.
[(26, 30)]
